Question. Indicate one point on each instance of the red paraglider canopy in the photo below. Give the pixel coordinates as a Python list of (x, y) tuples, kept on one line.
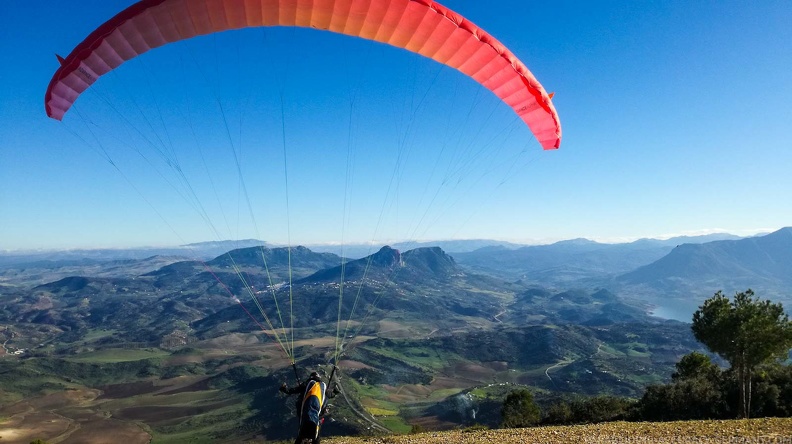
[(420, 26)]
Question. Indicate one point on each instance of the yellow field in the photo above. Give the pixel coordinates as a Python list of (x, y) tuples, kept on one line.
[(381, 412), (766, 430)]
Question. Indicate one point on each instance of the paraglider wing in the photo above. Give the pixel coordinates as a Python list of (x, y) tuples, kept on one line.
[(420, 26)]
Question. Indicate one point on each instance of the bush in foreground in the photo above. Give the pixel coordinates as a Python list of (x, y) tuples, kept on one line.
[(520, 410)]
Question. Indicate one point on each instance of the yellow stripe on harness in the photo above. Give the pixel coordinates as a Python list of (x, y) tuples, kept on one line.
[(314, 389)]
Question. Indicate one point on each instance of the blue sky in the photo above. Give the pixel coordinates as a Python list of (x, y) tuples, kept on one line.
[(676, 119)]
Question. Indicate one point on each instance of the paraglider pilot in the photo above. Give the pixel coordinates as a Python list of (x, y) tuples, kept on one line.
[(311, 407)]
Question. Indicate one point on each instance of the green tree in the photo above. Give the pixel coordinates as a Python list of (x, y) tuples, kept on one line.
[(746, 332), (559, 413), (520, 410), (600, 409), (773, 391), (684, 399), (695, 365)]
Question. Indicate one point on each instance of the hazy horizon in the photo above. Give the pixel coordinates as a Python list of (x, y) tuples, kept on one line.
[(530, 242)]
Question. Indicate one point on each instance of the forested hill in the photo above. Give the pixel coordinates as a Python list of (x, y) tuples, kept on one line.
[(420, 264), (750, 261), (692, 272)]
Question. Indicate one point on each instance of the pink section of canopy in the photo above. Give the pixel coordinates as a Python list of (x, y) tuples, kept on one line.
[(420, 26)]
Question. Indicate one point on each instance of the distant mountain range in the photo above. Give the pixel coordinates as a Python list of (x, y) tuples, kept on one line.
[(674, 275), (49, 259), (58, 258), (574, 262), (424, 285), (746, 261), (357, 251), (690, 273)]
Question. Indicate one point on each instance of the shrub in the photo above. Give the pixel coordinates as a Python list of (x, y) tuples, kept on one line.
[(520, 410)]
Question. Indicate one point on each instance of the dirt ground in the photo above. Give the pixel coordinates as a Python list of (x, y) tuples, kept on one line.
[(765, 430), (422, 392), (67, 418), (352, 365), (25, 427), (107, 431), (86, 428)]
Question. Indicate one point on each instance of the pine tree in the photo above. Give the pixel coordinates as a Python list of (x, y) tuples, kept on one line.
[(746, 332)]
